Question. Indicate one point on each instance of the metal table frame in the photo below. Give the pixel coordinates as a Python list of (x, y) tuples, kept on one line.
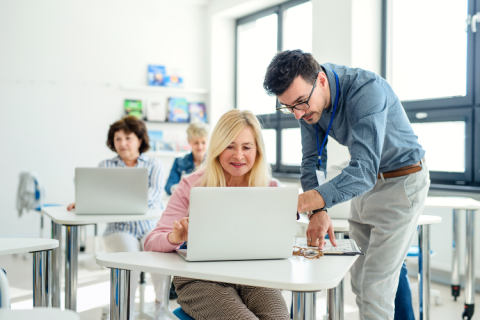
[(469, 262), (71, 266), (304, 303), (42, 277), (335, 310)]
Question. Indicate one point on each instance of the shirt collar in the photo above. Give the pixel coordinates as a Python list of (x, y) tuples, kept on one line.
[(119, 160), (333, 88)]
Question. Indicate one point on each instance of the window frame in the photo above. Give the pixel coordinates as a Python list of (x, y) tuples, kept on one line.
[(449, 108), (277, 120), (459, 114), (438, 102), (476, 142), (442, 109)]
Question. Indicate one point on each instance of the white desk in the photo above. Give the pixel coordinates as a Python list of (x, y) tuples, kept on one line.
[(22, 245), (61, 216), (302, 276), (341, 227), (42, 268), (472, 207), (38, 314)]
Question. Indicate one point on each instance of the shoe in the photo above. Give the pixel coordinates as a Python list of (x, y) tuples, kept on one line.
[(173, 293), (160, 312)]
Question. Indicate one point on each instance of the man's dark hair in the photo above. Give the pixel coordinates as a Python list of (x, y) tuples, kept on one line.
[(285, 67)]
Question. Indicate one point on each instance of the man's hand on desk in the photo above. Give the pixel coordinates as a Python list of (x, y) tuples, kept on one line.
[(180, 231), (319, 225)]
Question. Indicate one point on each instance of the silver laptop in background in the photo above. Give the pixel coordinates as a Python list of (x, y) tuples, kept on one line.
[(111, 190), (241, 223)]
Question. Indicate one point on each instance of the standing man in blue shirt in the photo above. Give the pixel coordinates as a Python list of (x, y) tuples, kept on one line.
[(387, 178)]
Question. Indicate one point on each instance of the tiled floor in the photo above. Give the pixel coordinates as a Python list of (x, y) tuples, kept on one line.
[(93, 292)]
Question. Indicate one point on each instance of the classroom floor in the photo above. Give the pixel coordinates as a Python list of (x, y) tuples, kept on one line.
[(93, 292)]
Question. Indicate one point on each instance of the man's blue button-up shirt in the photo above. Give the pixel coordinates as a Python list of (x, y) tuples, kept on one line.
[(371, 122)]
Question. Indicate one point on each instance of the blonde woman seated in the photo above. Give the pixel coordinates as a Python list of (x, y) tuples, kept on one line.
[(235, 158)]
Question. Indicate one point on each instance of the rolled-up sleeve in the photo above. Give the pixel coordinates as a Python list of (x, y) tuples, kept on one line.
[(369, 118)]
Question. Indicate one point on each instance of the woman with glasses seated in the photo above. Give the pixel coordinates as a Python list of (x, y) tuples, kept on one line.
[(235, 158)]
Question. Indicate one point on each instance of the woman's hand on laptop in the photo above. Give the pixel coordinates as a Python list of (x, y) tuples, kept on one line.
[(179, 233), (71, 206)]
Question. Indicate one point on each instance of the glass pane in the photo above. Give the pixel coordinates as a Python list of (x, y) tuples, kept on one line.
[(297, 27), (428, 48), (270, 139), (291, 147), (444, 143), (256, 46)]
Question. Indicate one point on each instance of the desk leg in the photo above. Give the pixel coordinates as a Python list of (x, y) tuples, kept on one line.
[(71, 267), (335, 295), (424, 272), (455, 281), (56, 265), (470, 267), (304, 305), (42, 281), (120, 294)]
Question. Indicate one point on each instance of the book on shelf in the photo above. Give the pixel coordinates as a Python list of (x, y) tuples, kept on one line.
[(156, 75), (156, 110), (174, 79), (178, 110), (158, 144), (133, 108), (198, 111)]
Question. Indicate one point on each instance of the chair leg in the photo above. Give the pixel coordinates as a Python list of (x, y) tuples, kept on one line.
[(166, 303)]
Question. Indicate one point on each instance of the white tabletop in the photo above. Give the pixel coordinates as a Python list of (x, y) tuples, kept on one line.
[(341, 225), (426, 219), (452, 203), (21, 245), (295, 274), (38, 314), (62, 216)]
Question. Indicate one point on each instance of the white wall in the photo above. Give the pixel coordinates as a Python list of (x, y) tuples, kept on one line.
[(347, 32), (61, 66)]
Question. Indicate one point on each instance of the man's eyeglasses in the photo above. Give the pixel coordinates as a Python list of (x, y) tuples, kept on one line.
[(307, 253), (302, 105)]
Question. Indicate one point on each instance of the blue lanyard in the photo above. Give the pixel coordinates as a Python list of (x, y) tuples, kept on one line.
[(320, 149)]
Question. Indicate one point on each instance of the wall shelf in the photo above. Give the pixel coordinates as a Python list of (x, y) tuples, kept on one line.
[(165, 154), (167, 122), (164, 90)]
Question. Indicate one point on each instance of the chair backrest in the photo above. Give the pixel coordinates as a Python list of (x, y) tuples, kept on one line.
[(4, 294)]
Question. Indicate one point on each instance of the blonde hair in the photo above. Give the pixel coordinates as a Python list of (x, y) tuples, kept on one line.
[(227, 129), (196, 130)]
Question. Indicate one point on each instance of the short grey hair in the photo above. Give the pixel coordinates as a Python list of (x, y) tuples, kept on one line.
[(196, 130)]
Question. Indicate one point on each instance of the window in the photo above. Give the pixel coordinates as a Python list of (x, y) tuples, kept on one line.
[(260, 34), (430, 41), (259, 37), (436, 137), (429, 58)]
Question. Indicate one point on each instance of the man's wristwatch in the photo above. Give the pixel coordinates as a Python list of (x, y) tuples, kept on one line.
[(311, 213)]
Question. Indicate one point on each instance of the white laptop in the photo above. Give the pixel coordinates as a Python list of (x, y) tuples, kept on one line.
[(241, 223), (111, 190)]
